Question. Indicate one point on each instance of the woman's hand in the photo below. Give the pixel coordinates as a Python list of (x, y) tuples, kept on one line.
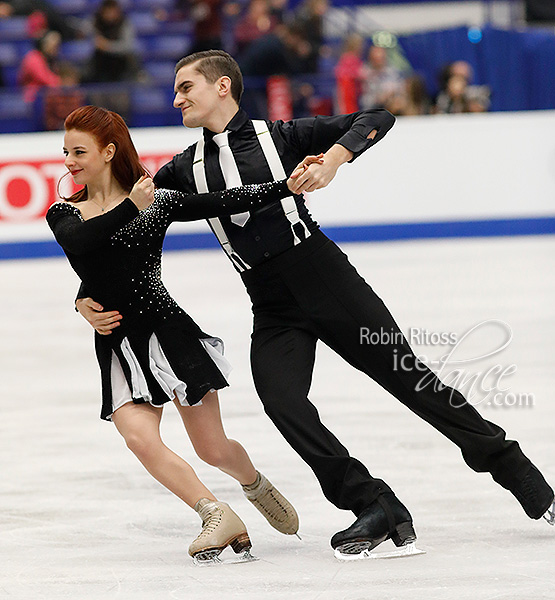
[(142, 194), (301, 168)]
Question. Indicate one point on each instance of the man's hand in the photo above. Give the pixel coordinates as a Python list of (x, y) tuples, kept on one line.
[(318, 174), (102, 322), (301, 167)]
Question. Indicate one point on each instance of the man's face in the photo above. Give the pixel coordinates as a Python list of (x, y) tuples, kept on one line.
[(195, 97)]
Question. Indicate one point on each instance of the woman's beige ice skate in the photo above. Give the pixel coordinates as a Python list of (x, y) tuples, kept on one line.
[(221, 528), (277, 510)]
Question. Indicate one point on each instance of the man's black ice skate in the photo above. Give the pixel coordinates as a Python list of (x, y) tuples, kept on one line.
[(535, 495), (386, 518)]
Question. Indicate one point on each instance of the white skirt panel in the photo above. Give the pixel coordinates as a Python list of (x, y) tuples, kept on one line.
[(161, 370)]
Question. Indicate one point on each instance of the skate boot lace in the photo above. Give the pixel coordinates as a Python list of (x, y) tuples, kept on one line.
[(210, 521), (264, 497)]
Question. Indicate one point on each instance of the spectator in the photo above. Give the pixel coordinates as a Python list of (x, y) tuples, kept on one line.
[(478, 98), (282, 52), (454, 98), (39, 66), (349, 72), (278, 9), (456, 92), (114, 58), (206, 16), (381, 80), (459, 67), (309, 17), (59, 102), (255, 24), (306, 103), (68, 28), (413, 98)]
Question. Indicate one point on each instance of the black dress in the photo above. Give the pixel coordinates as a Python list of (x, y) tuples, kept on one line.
[(117, 256)]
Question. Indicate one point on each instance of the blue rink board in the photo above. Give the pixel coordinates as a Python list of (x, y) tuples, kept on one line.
[(353, 233)]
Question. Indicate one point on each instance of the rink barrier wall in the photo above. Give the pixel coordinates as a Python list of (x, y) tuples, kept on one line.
[(360, 234), (443, 176)]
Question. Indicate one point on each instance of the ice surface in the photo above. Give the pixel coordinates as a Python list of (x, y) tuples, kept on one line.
[(81, 519)]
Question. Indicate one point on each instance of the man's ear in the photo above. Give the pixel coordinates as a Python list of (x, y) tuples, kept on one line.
[(224, 85), (109, 152)]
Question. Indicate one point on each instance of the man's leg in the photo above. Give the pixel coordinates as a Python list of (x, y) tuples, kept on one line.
[(282, 361), (340, 303)]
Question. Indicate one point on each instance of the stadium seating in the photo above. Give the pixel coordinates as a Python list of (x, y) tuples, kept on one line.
[(16, 116)]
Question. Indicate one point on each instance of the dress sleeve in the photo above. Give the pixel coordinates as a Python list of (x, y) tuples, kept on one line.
[(78, 236), (190, 207)]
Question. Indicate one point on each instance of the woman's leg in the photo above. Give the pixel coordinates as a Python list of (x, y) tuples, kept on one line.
[(206, 432), (139, 424)]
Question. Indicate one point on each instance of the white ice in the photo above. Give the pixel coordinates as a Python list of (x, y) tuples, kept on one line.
[(81, 519)]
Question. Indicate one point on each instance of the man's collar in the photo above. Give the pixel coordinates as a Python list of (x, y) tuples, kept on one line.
[(237, 122)]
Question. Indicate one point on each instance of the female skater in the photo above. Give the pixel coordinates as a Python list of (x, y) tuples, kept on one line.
[(112, 232)]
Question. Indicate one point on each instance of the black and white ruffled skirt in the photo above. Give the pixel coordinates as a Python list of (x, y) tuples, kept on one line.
[(157, 366)]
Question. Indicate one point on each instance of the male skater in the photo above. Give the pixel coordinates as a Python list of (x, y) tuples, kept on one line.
[(303, 289)]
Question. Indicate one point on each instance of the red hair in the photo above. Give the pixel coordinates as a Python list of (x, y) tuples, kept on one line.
[(108, 127)]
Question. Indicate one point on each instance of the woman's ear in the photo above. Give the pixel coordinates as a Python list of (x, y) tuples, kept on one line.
[(109, 152)]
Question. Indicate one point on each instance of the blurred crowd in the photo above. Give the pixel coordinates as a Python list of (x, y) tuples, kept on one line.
[(269, 40), (367, 78)]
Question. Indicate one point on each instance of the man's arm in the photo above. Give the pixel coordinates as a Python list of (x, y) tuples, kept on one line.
[(93, 312), (343, 138), (177, 174)]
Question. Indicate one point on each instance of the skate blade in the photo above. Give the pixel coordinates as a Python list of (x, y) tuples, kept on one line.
[(401, 552), (549, 516), (211, 559)]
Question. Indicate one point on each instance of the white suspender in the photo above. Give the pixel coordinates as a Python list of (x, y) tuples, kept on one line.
[(276, 167), (202, 187), (274, 162), (198, 168)]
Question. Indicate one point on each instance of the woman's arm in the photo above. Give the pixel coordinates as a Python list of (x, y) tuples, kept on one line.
[(79, 237), (191, 207)]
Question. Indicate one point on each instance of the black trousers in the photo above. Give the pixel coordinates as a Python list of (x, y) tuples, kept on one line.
[(311, 293)]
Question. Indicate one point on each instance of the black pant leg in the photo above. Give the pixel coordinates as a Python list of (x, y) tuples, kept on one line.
[(339, 303), (282, 360)]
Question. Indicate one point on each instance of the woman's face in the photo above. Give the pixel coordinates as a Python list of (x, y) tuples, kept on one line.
[(85, 161)]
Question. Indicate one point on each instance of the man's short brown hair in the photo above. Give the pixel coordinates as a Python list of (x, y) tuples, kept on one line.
[(213, 64)]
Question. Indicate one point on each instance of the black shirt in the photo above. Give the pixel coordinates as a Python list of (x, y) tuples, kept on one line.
[(268, 232)]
